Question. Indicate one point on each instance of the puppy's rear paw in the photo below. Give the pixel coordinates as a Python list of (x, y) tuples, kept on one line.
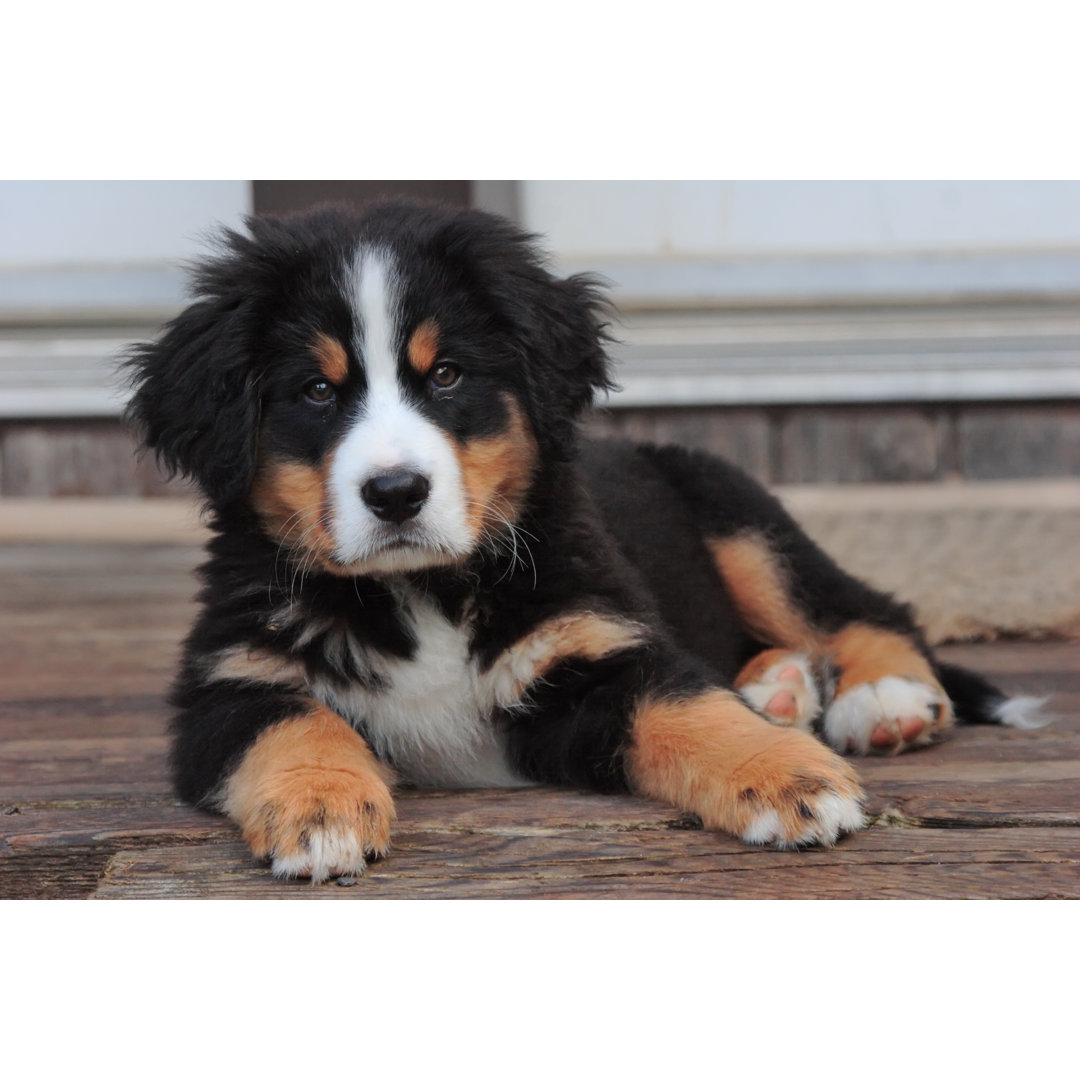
[(887, 716), (782, 687)]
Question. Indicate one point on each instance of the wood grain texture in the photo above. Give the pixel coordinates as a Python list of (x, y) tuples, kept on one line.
[(88, 639), (741, 435), (1019, 441), (864, 444), (87, 457), (645, 863)]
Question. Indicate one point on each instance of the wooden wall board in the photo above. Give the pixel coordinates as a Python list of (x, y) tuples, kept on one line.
[(798, 444)]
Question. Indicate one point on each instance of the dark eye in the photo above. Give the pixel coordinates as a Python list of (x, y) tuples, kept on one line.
[(319, 391), (444, 375)]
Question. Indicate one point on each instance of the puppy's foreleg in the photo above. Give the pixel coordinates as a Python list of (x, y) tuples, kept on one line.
[(710, 754)]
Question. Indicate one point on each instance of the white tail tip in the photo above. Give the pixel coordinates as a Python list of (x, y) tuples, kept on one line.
[(1023, 712)]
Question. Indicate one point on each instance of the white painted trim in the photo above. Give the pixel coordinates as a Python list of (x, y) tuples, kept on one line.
[(918, 353), (90, 403), (62, 373), (778, 386), (652, 284)]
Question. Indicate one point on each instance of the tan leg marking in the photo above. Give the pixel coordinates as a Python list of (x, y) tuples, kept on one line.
[(332, 358), (497, 472), (579, 634), (711, 755), (865, 654), (423, 347), (255, 665), (898, 702), (310, 795), (758, 586)]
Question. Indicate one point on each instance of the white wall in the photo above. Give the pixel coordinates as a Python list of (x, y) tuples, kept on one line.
[(102, 221), (86, 267), (72, 249), (734, 218)]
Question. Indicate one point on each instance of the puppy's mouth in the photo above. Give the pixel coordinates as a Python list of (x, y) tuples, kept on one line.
[(396, 549), (409, 534)]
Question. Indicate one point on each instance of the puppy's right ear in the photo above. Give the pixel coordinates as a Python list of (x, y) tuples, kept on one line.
[(195, 401)]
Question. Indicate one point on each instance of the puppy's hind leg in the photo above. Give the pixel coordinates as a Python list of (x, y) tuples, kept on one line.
[(789, 595)]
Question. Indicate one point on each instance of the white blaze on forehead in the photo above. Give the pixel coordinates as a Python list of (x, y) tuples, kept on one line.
[(389, 432), (377, 306)]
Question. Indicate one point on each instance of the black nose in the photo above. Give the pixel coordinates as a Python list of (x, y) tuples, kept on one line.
[(396, 495)]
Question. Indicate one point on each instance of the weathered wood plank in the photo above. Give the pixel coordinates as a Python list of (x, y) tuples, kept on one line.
[(32, 829), (1018, 441), (88, 641), (881, 863), (545, 842), (744, 437), (1017, 658), (53, 718), (91, 457), (1011, 790), (92, 520), (40, 769), (864, 444)]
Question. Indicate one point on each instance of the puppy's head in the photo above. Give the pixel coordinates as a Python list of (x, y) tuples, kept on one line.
[(380, 390)]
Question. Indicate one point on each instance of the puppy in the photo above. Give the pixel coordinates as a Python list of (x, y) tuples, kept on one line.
[(419, 571)]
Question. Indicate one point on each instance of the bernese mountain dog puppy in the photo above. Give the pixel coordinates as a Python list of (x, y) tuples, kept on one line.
[(420, 572)]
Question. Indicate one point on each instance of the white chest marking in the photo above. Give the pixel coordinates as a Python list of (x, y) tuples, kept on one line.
[(432, 715)]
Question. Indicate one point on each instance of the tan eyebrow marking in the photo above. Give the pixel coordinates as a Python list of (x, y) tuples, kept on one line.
[(423, 346), (332, 358)]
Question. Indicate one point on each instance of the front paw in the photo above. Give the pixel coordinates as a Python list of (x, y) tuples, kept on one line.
[(795, 794), (887, 716), (324, 827), (310, 796), (713, 756)]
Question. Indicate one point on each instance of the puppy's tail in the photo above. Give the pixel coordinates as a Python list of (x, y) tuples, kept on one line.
[(978, 701)]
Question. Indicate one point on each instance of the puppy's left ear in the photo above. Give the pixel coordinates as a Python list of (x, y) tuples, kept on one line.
[(195, 402), (569, 321), (558, 327)]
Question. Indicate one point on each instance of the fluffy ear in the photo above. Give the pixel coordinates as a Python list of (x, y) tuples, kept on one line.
[(560, 330), (195, 401), (569, 338), (557, 326)]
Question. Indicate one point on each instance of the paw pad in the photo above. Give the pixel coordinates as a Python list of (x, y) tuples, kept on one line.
[(785, 693)]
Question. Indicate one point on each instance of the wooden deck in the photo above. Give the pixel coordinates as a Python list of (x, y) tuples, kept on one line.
[(88, 639)]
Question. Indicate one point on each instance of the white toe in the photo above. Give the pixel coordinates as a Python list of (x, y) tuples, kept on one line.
[(851, 719), (832, 815), (328, 853)]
